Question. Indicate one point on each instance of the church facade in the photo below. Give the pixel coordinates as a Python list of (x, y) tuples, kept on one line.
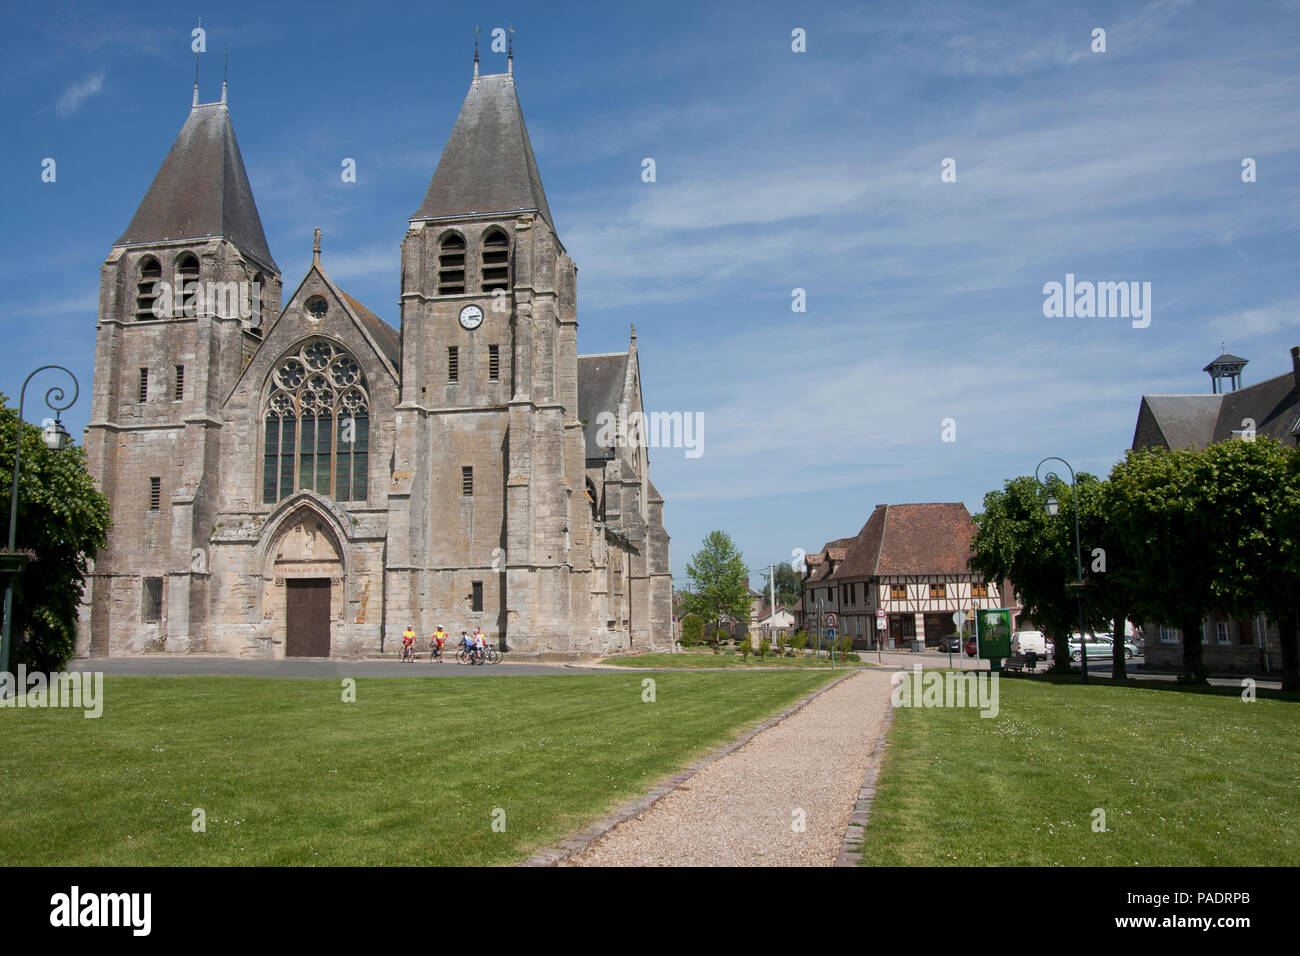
[(301, 479)]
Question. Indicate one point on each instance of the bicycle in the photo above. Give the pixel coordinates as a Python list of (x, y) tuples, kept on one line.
[(469, 655), (493, 655), (435, 651), (408, 652)]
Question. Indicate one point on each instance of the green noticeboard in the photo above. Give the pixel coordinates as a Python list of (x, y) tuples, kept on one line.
[(993, 631)]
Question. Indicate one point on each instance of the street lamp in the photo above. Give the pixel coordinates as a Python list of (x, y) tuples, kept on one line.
[(56, 439), (1053, 508)]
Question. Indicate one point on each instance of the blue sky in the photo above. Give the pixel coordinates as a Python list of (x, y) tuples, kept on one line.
[(775, 170)]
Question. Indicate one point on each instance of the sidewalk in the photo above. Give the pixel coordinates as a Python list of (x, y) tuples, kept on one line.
[(783, 799)]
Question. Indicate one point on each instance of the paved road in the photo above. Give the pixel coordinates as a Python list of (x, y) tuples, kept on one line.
[(1101, 667), (202, 666)]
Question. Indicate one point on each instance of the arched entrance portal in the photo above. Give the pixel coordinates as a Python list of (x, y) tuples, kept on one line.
[(308, 574)]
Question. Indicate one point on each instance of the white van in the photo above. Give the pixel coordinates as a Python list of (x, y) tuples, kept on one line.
[(1030, 642)]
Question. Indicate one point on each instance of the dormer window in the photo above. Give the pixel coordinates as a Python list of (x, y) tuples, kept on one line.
[(451, 264), (496, 261), (148, 288)]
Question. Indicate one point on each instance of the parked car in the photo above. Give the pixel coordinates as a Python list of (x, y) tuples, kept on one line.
[(1031, 642), (950, 644), (971, 648), (1099, 647)]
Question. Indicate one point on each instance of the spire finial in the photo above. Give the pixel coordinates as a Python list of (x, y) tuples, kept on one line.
[(633, 331), (510, 50), (196, 71), (315, 248), (476, 50), (225, 73)]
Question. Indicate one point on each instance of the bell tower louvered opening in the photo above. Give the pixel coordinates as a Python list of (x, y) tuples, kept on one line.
[(148, 288), (451, 264), (495, 273)]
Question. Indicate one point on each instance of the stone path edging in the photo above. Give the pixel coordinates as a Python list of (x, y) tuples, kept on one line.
[(855, 833), (585, 838)]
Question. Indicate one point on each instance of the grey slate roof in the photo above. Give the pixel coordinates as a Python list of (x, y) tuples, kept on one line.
[(1227, 359), (600, 388), (201, 190), (384, 334), (1200, 420), (488, 165), (1185, 420)]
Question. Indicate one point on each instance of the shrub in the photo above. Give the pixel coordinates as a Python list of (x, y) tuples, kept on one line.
[(800, 640), (845, 645), (692, 630), (764, 646), (743, 647)]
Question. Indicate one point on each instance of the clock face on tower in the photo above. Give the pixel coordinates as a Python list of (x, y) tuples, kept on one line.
[(471, 317)]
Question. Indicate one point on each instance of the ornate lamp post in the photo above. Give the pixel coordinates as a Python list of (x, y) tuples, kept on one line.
[(56, 439), (1053, 507)]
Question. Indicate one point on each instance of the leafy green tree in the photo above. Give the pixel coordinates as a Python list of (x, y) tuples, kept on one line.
[(1015, 540), (799, 641), (1108, 568), (720, 581), (62, 519), (692, 630), (1161, 509), (789, 584), (743, 647), (1252, 493), (764, 646)]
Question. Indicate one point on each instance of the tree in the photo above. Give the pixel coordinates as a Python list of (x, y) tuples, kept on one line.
[(1015, 540), (1252, 493), (692, 630), (720, 582), (1161, 509), (62, 518), (1108, 567), (789, 584)]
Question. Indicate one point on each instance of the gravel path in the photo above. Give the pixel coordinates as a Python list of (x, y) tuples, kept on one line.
[(742, 810)]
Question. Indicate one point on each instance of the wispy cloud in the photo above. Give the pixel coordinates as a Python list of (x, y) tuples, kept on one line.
[(78, 93)]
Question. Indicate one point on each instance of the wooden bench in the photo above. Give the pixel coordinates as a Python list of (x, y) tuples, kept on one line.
[(1017, 663)]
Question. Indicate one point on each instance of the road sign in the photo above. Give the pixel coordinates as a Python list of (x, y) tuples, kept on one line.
[(880, 614), (958, 617), (831, 620), (831, 633), (880, 624)]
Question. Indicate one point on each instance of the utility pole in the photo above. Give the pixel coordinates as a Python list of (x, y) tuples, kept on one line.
[(771, 590)]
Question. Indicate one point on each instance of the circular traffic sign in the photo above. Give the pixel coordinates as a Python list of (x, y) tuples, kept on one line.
[(831, 620), (880, 613)]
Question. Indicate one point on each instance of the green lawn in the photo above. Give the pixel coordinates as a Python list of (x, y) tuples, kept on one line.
[(1184, 779), (408, 775), (693, 660)]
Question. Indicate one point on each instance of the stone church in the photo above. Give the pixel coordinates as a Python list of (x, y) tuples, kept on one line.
[(304, 480)]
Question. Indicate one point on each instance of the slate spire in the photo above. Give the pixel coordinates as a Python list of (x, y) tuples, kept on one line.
[(487, 167), (201, 190)]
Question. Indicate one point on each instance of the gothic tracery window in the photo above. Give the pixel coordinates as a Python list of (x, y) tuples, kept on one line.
[(317, 426)]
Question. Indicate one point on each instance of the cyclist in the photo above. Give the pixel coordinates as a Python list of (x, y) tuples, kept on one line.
[(480, 642), (435, 643), (471, 650), (408, 644)]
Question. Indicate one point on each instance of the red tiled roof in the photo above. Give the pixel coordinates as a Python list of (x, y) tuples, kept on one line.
[(911, 539)]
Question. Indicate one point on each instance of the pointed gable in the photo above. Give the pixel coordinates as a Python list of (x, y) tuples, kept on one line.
[(910, 539), (488, 165), (601, 379), (202, 190)]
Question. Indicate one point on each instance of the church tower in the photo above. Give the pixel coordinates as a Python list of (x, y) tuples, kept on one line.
[(184, 296), (490, 450)]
